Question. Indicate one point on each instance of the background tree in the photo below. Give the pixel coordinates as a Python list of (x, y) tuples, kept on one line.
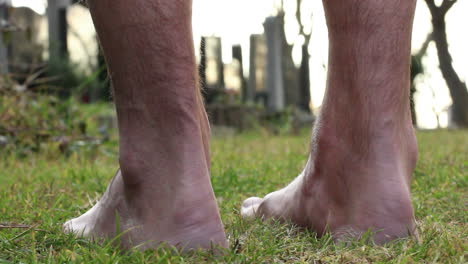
[(303, 75), (304, 78), (458, 89), (417, 69)]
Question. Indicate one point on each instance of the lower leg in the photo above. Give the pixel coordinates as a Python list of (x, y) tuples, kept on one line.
[(363, 148), (163, 192)]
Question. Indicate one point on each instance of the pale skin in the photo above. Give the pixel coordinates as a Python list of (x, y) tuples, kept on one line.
[(357, 176)]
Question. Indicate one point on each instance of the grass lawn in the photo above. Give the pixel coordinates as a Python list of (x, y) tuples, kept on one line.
[(43, 190)]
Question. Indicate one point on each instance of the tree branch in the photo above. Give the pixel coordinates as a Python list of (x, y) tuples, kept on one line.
[(435, 12), (298, 17), (424, 46), (446, 5), (299, 22), (442, 9), (431, 4)]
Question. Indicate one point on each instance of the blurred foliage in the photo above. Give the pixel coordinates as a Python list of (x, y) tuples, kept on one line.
[(70, 79), (68, 76), (29, 120)]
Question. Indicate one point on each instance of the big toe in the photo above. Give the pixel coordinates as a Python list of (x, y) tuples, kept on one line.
[(250, 207), (76, 226)]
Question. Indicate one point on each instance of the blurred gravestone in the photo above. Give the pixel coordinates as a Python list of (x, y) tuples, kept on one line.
[(237, 55), (214, 63), (57, 22), (257, 65), (212, 69), (251, 87), (4, 5), (26, 54), (274, 69)]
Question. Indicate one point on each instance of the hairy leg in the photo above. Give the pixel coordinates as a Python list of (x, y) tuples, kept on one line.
[(363, 145), (163, 191)]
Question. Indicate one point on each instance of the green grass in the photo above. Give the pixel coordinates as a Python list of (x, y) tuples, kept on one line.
[(44, 190)]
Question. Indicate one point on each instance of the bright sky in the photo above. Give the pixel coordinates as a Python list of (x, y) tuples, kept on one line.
[(432, 95), (235, 21), (37, 5)]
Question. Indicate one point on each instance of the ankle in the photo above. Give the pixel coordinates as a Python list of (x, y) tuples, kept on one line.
[(149, 165), (354, 134), (362, 149)]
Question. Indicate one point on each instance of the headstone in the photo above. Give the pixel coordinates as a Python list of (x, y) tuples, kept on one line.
[(26, 53), (214, 63), (251, 87), (237, 55), (57, 23), (274, 69), (256, 90), (4, 5)]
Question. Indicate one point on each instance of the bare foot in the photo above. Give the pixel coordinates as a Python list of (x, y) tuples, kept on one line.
[(348, 193), (144, 218), (150, 207), (364, 150), (162, 192)]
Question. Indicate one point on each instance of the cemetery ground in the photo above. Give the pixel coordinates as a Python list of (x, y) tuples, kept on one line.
[(40, 190)]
